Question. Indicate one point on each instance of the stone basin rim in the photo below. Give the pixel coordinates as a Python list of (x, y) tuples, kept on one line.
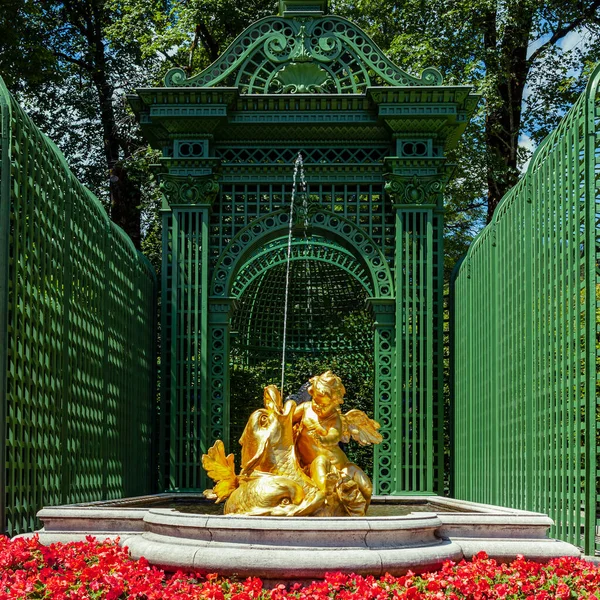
[(415, 516), (255, 544), (166, 523)]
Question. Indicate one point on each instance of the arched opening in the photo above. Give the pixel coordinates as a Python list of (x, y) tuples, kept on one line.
[(328, 327)]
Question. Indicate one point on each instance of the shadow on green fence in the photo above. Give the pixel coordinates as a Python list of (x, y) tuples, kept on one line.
[(77, 365)]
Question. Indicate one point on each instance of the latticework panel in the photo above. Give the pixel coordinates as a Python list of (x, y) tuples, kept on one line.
[(526, 338), (78, 336), (414, 367), (385, 467), (321, 295), (184, 381), (286, 155), (438, 379), (363, 205), (306, 248), (324, 320), (344, 265)]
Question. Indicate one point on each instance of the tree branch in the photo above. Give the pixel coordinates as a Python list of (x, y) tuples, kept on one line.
[(170, 58), (564, 30), (75, 61), (193, 49), (79, 19), (209, 42)]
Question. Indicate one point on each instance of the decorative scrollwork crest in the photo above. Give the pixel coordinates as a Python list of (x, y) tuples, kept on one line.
[(175, 77), (413, 190), (353, 59), (276, 48), (189, 190), (302, 78), (327, 48)]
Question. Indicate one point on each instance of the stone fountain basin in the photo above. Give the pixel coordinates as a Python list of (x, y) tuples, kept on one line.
[(280, 549)]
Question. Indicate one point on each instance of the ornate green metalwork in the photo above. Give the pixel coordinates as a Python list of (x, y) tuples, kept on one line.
[(316, 84), (220, 328), (77, 337), (302, 6), (302, 55), (413, 190), (525, 351), (274, 225), (311, 249), (386, 454), (286, 155), (198, 190)]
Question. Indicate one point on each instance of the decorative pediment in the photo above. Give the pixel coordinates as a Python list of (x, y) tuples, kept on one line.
[(307, 54)]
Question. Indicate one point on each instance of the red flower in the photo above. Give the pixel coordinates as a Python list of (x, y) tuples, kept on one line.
[(562, 591), (104, 571)]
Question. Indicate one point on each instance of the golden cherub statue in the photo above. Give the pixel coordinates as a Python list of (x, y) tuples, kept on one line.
[(292, 464)]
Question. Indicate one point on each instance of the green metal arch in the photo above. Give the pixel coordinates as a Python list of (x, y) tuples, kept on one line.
[(322, 222), (301, 250), (320, 41)]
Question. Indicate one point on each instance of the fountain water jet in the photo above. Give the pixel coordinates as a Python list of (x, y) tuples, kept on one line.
[(298, 167)]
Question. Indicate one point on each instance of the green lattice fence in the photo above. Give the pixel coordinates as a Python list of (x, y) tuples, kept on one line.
[(76, 336), (525, 344)]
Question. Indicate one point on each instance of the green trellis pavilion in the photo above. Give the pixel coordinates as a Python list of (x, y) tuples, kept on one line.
[(374, 141), (78, 412)]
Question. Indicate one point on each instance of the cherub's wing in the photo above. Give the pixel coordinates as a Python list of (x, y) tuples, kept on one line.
[(359, 427)]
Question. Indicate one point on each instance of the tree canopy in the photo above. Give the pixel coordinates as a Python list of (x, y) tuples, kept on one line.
[(71, 62)]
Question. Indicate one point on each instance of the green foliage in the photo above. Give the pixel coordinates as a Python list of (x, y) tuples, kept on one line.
[(519, 55), (44, 57), (185, 34), (24, 62)]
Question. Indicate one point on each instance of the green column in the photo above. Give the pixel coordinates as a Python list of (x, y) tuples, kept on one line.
[(415, 200), (218, 369), (386, 466), (185, 345)]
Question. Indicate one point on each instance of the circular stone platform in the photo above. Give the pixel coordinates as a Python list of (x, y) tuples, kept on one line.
[(281, 548)]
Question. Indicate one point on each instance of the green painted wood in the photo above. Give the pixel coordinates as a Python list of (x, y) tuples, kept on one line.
[(77, 373), (525, 351), (327, 54), (5, 154)]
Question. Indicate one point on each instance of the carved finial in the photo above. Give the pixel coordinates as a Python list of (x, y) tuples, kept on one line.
[(301, 54)]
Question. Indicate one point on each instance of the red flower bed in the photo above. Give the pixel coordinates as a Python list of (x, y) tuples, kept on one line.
[(93, 570)]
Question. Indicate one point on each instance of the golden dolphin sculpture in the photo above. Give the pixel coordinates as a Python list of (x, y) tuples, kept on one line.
[(292, 464)]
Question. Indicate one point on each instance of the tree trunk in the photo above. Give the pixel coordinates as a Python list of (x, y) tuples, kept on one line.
[(125, 195), (125, 198), (509, 68)]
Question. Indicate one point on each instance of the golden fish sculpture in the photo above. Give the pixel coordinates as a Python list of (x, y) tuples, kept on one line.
[(292, 464)]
